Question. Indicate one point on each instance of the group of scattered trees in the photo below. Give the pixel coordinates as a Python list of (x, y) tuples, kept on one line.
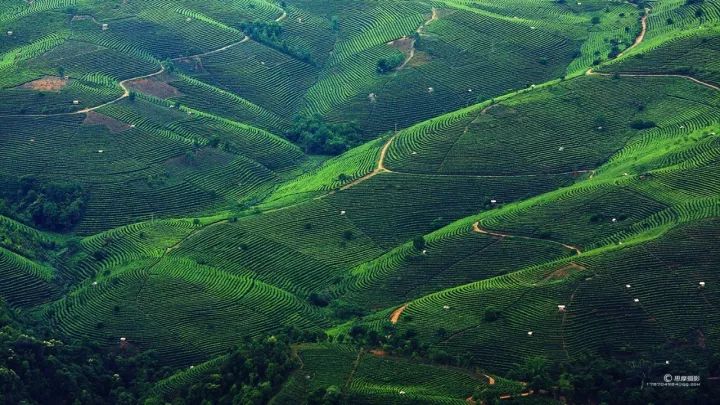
[(604, 378), (318, 137), (53, 205), (269, 33)]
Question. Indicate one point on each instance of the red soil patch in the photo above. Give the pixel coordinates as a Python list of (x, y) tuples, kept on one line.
[(154, 87), (47, 83), (113, 125), (378, 352)]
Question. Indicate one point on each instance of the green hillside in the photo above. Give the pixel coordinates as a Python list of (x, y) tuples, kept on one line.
[(359, 201)]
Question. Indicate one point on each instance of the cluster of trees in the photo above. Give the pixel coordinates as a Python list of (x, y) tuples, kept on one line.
[(604, 378), (318, 137), (385, 65), (50, 371), (269, 33), (56, 206), (406, 344), (251, 374), (40, 370)]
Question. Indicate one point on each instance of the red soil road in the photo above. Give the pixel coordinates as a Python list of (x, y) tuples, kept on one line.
[(395, 315), (476, 228)]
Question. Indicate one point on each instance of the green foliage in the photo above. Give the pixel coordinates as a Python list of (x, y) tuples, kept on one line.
[(642, 124), (270, 33), (492, 314), (52, 371), (390, 63), (419, 242), (319, 137), (54, 205), (250, 374)]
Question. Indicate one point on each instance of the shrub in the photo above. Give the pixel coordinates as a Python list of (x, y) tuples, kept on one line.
[(641, 124), (419, 242), (492, 314), (318, 299)]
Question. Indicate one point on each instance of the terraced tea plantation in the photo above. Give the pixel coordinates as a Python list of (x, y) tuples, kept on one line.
[(359, 201)]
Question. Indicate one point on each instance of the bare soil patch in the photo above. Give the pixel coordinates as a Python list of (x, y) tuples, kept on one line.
[(404, 45), (378, 353), (155, 87), (46, 83), (113, 125), (420, 58)]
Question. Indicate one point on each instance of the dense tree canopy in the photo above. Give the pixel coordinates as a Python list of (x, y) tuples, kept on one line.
[(250, 374), (34, 370), (56, 205), (322, 138)]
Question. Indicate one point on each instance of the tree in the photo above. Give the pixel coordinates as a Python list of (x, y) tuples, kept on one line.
[(387, 64), (419, 242), (168, 65)]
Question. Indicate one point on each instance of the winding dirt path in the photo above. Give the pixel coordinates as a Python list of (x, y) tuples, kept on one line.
[(476, 228), (200, 55), (641, 36), (395, 315), (193, 233), (433, 17), (282, 16), (123, 85), (692, 79), (380, 168)]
